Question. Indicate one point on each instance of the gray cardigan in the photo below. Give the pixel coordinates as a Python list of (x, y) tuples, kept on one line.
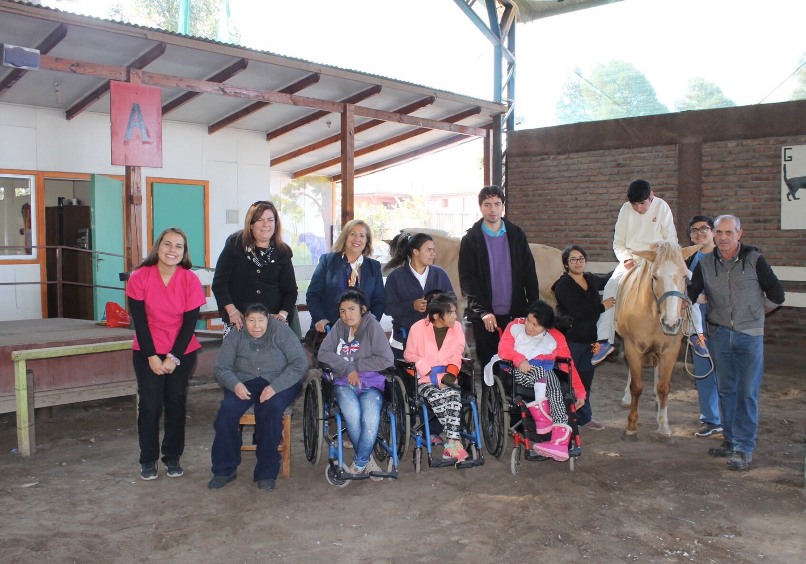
[(277, 357)]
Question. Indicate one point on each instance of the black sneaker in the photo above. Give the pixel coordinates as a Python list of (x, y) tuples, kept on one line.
[(708, 430), (219, 482), (725, 450), (739, 461), (173, 470), (148, 471), (267, 484)]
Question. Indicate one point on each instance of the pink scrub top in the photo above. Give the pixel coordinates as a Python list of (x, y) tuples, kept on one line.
[(166, 305)]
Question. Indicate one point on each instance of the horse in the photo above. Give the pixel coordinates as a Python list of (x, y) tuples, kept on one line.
[(548, 263), (649, 316)]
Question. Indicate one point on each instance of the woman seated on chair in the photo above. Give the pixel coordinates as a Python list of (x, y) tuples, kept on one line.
[(356, 349), (261, 366), (435, 345), (532, 344)]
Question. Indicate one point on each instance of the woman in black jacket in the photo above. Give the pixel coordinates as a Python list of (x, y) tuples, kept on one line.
[(578, 298), (255, 267)]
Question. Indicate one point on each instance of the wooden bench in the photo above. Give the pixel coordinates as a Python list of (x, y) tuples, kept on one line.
[(248, 420)]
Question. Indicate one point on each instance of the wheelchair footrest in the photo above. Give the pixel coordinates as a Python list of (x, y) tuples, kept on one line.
[(471, 463)]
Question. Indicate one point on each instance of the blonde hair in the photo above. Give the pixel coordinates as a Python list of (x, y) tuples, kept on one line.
[(341, 243)]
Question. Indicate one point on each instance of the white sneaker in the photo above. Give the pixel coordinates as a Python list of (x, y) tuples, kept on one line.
[(372, 466)]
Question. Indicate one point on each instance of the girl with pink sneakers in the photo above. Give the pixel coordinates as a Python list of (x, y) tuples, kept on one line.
[(532, 344)]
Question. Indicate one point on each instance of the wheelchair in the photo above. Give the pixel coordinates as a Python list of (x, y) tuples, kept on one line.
[(421, 418), (323, 428), (504, 414)]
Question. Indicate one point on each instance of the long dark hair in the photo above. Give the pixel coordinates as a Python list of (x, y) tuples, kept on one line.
[(403, 246), (153, 257)]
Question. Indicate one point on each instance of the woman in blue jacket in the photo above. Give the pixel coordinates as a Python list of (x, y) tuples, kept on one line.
[(348, 266), (413, 277)]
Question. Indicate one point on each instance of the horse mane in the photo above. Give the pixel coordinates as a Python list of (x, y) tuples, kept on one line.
[(665, 251)]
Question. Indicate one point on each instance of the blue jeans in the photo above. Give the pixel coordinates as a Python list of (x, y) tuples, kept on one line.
[(706, 387), (361, 409), (582, 354), (740, 361), (226, 451)]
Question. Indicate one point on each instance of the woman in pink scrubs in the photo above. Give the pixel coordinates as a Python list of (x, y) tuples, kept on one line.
[(164, 301)]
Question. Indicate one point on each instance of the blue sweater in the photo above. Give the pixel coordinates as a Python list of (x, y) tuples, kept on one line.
[(329, 281), (402, 288)]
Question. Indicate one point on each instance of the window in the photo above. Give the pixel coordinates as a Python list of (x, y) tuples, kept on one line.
[(17, 226)]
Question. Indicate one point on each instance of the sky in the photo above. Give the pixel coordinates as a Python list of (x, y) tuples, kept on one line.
[(748, 48)]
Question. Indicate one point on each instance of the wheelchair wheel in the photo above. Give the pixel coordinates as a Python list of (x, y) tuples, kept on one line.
[(400, 407), (333, 479), (494, 418), (515, 460), (418, 459), (313, 432), (469, 427)]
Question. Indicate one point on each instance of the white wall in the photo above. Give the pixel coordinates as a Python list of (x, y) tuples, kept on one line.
[(235, 162)]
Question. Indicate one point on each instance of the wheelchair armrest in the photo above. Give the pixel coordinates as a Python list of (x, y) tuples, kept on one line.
[(404, 364)]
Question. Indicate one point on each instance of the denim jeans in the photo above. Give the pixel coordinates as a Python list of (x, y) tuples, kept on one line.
[(739, 358), (226, 451), (361, 410), (168, 393), (582, 354), (706, 387)]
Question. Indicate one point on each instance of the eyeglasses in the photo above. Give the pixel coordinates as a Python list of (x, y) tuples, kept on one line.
[(578, 260), (263, 203), (703, 229)]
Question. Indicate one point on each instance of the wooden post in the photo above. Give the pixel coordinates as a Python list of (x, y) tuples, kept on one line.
[(26, 424), (133, 185), (134, 217), (347, 163)]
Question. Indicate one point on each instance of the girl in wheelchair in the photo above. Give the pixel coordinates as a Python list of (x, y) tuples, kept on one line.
[(435, 345), (357, 350), (532, 344)]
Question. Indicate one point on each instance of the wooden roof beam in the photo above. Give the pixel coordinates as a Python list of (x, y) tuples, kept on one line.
[(221, 76), (408, 109), (169, 81), (45, 46), (305, 120), (299, 85), (139, 63), (387, 142), (411, 155)]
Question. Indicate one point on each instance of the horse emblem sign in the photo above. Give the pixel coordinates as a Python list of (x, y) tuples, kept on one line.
[(793, 187)]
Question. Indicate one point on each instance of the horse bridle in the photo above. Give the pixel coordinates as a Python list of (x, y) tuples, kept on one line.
[(669, 294)]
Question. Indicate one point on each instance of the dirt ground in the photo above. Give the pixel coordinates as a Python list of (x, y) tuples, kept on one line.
[(80, 498)]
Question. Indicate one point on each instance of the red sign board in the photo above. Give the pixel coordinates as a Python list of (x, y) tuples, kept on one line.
[(136, 115)]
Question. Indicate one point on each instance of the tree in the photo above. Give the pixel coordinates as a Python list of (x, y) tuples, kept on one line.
[(703, 95), (164, 14), (800, 88), (570, 108), (615, 89)]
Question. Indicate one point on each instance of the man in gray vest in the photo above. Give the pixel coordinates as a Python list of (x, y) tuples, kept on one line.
[(741, 288)]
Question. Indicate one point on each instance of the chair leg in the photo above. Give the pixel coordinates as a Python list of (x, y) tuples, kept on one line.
[(248, 420), (285, 446)]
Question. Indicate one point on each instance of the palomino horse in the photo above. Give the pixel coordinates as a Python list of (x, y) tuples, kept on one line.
[(649, 316), (548, 263)]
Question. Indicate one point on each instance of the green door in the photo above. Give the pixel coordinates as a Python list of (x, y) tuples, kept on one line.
[(181, 205), (107, 237)]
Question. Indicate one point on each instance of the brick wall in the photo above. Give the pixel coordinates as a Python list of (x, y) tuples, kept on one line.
[(566, 184)]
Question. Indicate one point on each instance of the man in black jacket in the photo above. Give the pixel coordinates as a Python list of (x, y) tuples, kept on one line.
[(494, 253)]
